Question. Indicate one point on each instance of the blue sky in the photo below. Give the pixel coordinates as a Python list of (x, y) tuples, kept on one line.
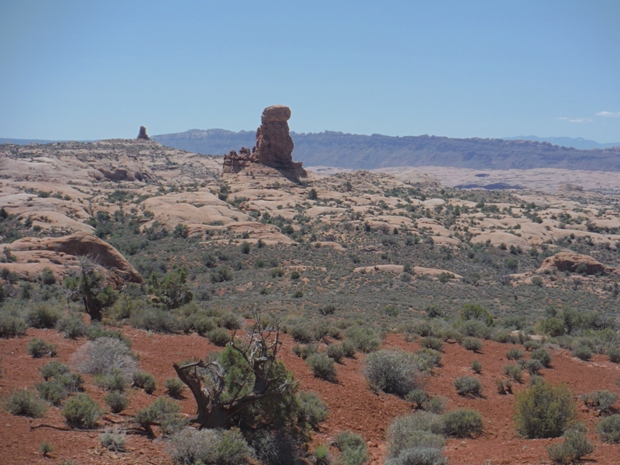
[(91, 69)]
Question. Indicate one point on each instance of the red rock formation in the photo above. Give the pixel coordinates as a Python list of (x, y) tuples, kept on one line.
[(142, 134), (274, 146), (63, 251), (574, 262)]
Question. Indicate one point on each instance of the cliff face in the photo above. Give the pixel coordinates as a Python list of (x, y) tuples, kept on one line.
[(377, 151)]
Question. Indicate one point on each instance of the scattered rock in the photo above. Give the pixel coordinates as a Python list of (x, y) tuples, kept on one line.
[(274, 147), (142, 134)]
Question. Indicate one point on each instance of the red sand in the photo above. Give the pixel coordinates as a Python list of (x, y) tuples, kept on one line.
[(352, 405)]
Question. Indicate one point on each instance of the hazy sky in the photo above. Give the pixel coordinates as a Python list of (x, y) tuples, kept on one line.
[(91, 69)]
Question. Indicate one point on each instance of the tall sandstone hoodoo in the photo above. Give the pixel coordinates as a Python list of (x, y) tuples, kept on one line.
[(142, 135), (274, 147)]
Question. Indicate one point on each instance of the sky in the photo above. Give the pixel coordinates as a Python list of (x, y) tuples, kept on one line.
[(99, 69)]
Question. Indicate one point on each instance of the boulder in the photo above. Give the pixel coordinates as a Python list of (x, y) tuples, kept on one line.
[(574, 262), (62, 252)]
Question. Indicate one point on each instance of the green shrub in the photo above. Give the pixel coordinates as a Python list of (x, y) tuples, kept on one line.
[(392, 372), (432, 343), (202, 324), (365, 339), (476, 366), (472, 344), (39, 348), (81, 412), (327, 310), (117, 401), (419, 456), (11, 326), (174, 387), (306, 350), (349, 349), (553, 327), (609, 429), (476, 312), (582, 352), (514, 354), (468, 386), (219, 336), (415, 439), (209, 447), (514, 372), (43, 315), (230, 321), (475, 328), (25, 403), (322, 366), (614, 355), (574, 447), (276, 272), (298, 294), (45, 448), (600, 400), (114, 380), (47, 277), (312, 410), (533, 367), (418, 397), (532, 345), (53, 369), (353, 450), (503, 386), (113, 440), (52, 391), (144, 380), (154, 319), (427, 359), (462, 423), (71, 326), (301, 334), (544, 411), (436, 404), (221, 275), (163, 411), (543, 356), (335, 352), (419, 327)]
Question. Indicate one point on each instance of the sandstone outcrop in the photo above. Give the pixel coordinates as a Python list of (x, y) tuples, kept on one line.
[(274, 147), (61, 254), (574, 262), (142, 134)]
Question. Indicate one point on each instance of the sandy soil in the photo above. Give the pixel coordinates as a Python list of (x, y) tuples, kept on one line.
[(352, 404)]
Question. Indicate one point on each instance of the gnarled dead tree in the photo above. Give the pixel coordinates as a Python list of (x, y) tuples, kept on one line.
[(252, 373)]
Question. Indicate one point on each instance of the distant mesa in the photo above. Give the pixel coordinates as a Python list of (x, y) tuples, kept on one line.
[(274, 147), (142, 135)]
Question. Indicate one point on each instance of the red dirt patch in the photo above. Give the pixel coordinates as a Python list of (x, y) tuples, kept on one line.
[(352, 405)]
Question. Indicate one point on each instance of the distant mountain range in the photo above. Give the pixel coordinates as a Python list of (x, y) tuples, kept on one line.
[(575, 142), (377, 151)]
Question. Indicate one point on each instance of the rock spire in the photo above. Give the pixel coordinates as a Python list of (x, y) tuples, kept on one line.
[(274, 146)]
